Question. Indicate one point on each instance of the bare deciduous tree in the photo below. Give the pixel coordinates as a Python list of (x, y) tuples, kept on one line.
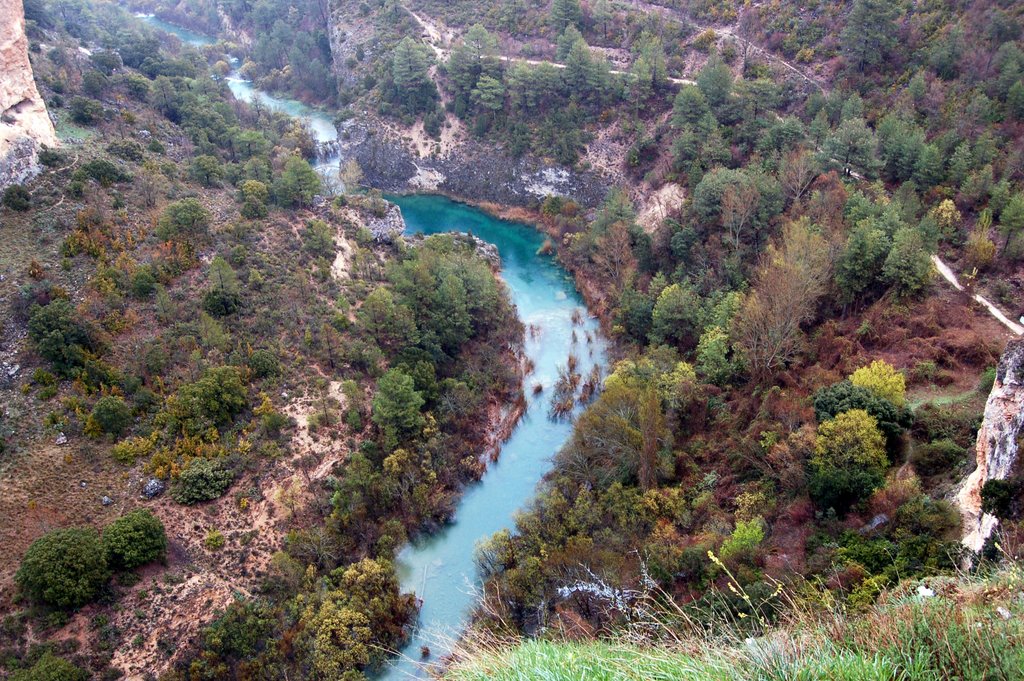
[(797, 173), (791, 279), (739, 203)]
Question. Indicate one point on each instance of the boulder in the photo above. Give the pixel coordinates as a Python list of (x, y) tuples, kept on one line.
[(153, 488)]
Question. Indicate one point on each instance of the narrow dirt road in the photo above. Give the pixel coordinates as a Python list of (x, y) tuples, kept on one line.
[(436, 34), (948, 274)]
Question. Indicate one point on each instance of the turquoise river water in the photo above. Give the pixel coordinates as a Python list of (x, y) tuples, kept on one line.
[(440, 568)]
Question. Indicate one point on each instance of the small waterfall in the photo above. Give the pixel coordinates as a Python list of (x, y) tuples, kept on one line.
[(327, 150), (997, 447)]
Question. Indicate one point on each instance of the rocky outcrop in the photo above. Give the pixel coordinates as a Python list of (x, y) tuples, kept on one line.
[(474, 171), (353, 40), (998, 444), (387, 227), (24, 122), (484, 250)]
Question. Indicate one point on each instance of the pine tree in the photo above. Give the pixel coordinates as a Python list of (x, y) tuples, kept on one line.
[(602, 12), (870, 32), (565, 12), (715, 81), (852, 144), (409, 65)]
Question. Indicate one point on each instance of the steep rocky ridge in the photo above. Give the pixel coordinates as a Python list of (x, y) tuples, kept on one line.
[(998, 444), (24, 122)]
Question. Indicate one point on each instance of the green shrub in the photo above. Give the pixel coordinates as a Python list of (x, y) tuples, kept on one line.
[(17, 198), (51, 158), (999, 497), (111, 415), (747, 536), (129, 450), (354, 420), (318, 238), (264, 363), (839, 489), (134, 539), (201, 480), (58, 335), (849, 460), (85, 111), (958, 422), (223, 296), (844, 396), (255, 195), (211, 401), (214, 540), (49, 667), (104, 172), (274, 422), (127, 149), (144, 282), (987, 380), (64, 568), (43, 377), (937, 456), (186, 217)]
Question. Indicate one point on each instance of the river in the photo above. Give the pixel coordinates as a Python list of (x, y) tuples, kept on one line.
[(320, 124), (440, 568)]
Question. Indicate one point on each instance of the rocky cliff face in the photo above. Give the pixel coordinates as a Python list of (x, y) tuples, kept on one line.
[(352, 36), (24, 122), (997, 448), (474, 171)]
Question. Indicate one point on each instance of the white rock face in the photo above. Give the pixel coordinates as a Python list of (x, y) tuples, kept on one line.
[(997, 448), (24, 122)]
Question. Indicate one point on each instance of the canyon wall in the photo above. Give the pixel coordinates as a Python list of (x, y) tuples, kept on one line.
[(473, 171), (24, 122), (998, 444)]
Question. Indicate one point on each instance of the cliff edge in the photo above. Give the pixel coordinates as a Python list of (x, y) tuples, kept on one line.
[(24, 122), (997, 448)]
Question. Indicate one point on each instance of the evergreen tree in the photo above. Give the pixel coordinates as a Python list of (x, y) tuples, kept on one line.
[(222, 295), (908, 267), (859, 267), (297, 184), (602, 14), (689, 106), (852, 144), (396, 406), (565, 12), (870, 32), (715, 82), (1011, 220)]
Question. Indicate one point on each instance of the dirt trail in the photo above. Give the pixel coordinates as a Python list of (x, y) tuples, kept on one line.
[(343, 259), (730, 32), (441, 37), (948, 274)]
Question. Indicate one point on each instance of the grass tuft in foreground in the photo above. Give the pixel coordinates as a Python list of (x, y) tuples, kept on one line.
[(971, 628)]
